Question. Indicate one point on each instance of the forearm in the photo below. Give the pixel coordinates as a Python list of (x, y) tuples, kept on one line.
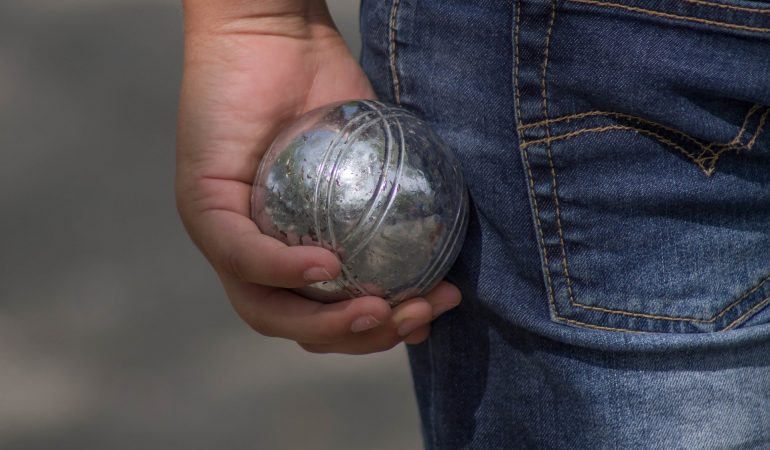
[(280, 17)]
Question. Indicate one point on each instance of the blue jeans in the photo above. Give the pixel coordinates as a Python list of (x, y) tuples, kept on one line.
[(616, 273)]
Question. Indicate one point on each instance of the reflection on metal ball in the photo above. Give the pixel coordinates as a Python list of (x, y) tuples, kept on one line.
[(372, 183)]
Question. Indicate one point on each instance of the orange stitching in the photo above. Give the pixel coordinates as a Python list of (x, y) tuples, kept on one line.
[(564, 119), (392, 37), (623, 116), (539, 226), (599, 327), (572, 300), (747, 315), (572, 134), (611, 128), (554, 183), (540, 230), (706, 163), (699, 143), (681, 318), (674, 16), (735, 143), (707, 159), (523, 145), (736, 8), (737, 139), (762, 120), (543, 90)]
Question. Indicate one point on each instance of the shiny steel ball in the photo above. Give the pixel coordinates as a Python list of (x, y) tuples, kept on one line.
[(372, 183)]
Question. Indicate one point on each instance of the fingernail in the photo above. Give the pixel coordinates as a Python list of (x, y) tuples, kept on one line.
[(364, 323), (441, 308), (317, 274), (406, 327)]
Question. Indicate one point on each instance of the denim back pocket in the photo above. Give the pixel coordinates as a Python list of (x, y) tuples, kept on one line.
[(643, 131)]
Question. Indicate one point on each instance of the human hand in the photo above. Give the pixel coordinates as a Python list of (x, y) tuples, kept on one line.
[(251, 67)]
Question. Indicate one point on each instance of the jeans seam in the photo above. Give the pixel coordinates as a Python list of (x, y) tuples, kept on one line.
[(598, 327), (707, 158), (650, 12), (748, 314), (735, 8), (762, 121), (742, 318), (754, 108), (525, 156), (549, 155), (681, 318), (580, 131), (392, 29), (737, 139)]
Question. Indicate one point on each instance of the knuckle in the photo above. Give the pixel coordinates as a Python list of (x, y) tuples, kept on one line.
[(272, 272), (233, 263)]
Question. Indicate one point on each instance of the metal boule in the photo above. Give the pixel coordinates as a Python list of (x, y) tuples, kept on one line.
[(375, 185)]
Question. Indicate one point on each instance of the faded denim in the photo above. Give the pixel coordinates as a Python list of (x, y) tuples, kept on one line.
[(616, 274)]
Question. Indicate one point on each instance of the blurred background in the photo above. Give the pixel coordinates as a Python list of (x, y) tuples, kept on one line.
[(114, 332)]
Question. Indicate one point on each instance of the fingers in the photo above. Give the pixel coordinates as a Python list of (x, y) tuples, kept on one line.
[(411, 315), (281, 313), (410, 324), (235, 246), (260, 259), (357, 326), (374, 341), (418, 336), (443, 297)]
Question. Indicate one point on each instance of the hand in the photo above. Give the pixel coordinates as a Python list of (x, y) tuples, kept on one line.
[(250, 67)]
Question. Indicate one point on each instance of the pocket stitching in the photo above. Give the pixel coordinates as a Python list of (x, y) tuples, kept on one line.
[(525, 155), (706, 160), (554, 183), (762, 121), (737, 139), (650, 12), (747, 315), (736, 8), (523, 147), (680, 318), (570, 117), (565, 262), (578, 132)]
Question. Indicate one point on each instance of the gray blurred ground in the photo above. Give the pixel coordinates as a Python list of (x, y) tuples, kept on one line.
[(114, 333)]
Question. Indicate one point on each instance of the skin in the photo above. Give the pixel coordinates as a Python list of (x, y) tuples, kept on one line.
[(250, 68)]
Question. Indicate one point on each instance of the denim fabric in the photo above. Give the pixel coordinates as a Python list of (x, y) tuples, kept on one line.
[(616, 274)]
